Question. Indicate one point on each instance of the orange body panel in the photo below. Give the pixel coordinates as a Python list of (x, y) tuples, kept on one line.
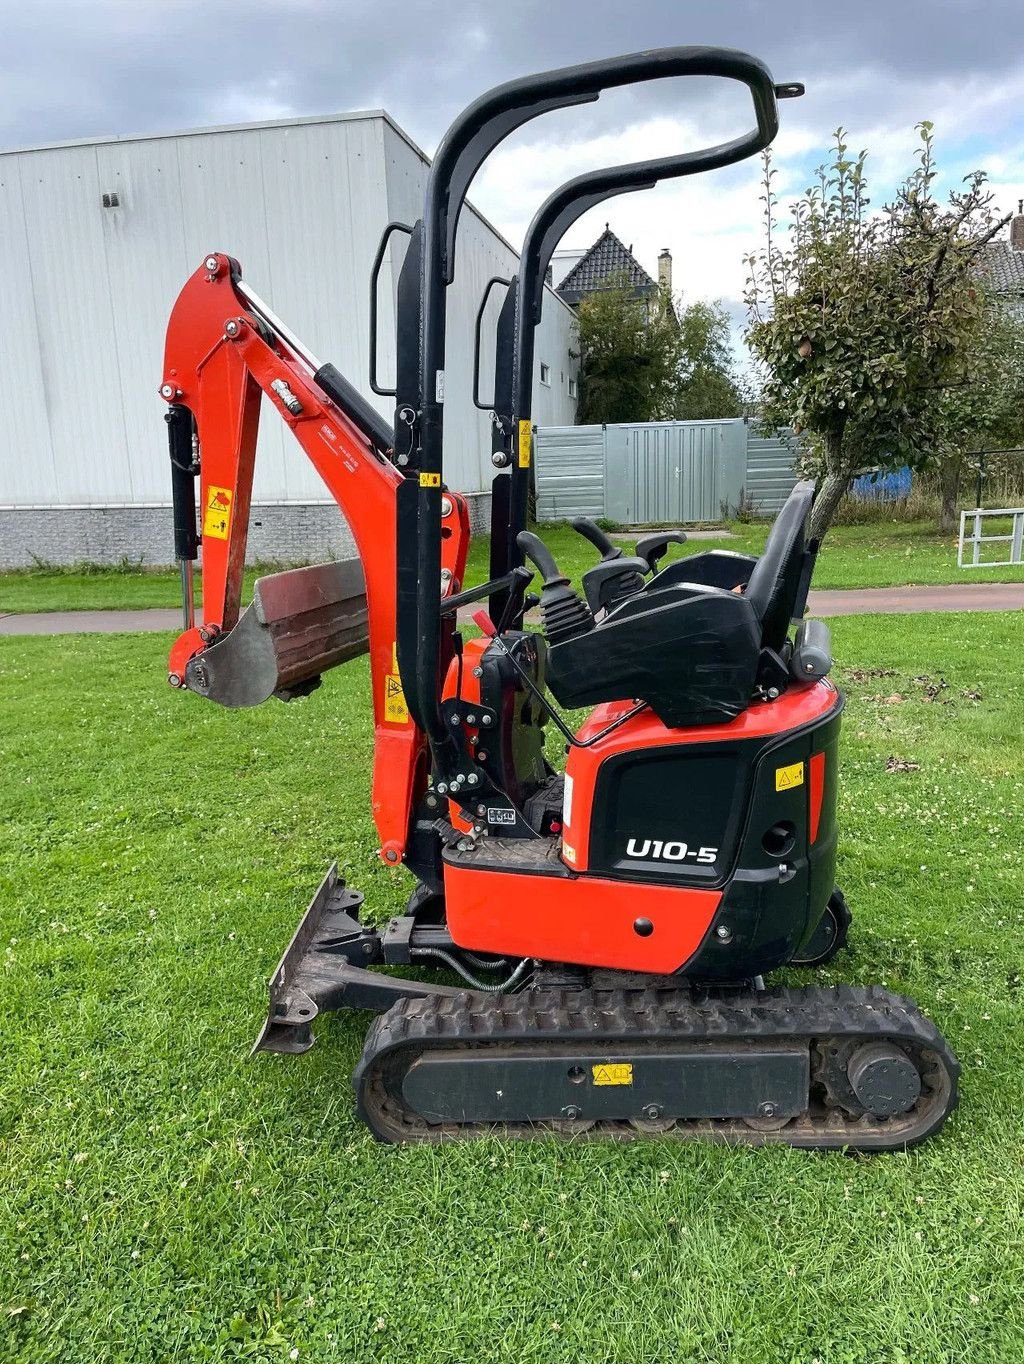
[(583, 919), (793, 710)]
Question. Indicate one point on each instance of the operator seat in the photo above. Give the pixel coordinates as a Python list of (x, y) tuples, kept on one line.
[(692, 651)]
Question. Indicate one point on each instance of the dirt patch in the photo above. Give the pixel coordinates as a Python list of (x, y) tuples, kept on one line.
[(866, 674), (933, 688), (893, 764)]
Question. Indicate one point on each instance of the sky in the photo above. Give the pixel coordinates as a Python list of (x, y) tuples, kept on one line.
[(86, 68)]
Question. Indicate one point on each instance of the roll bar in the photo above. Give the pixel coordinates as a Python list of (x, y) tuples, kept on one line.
[(468, 142), (524, 301)]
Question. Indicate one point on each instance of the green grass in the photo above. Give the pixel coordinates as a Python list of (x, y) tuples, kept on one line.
[(164, 1198), (876, 555), (100, 589)]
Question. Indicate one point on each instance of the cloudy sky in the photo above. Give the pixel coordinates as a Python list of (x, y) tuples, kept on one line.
[(82, 68)]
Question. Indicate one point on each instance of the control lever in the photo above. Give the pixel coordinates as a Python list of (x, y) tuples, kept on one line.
[(564, 614), (610, 581), (521, 580), (654, 547), (591, 531)]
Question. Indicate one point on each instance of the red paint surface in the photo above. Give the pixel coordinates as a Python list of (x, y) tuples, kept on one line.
[(816, 793), (581, 919)]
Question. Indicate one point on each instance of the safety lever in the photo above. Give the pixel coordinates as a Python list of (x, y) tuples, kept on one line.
[(507, 582), (654, 547), (521, 579)]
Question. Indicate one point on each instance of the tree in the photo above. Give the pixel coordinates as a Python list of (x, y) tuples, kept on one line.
[(628, 353), (644, 361), (706, 386), (987, 414), (859, 320)]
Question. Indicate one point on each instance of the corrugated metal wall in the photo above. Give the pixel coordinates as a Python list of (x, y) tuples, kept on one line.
[(673, 471), (642, 473), (85, 293), (771, 475), (570, 472)]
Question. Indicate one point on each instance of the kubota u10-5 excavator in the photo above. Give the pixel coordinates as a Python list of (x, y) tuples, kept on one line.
[(612, 924)]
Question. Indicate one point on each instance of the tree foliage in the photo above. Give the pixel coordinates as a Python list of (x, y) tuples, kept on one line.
[(648, 361), (984, 415), (627, 350), (706, 386), (862, 321)]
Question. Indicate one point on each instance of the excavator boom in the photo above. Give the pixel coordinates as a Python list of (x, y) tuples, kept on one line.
[(226, 353)]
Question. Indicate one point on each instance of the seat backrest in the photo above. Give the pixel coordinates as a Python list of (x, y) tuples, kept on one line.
[(775, 582)]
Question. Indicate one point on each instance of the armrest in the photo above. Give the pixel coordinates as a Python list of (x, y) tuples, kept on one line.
[(714, 568), (613, 579)]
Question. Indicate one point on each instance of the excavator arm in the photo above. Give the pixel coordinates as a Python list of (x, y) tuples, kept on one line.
[(225, 353)]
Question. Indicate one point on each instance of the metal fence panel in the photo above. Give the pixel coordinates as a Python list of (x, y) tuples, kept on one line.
[(771, 473), (570, 472), (971, 526), (662, 471), (642, 473)]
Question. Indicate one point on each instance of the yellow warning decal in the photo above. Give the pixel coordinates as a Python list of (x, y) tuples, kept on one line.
[(613, 1073), (788, 777), (525, 443), (430, 480), (217, 513), (395, 709)]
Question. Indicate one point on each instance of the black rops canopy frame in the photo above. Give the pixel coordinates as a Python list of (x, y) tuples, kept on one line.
[(523, 307), (429, 269)]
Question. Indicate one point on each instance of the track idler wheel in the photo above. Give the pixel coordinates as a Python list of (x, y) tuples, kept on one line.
[(831, 934), (884, 1079)]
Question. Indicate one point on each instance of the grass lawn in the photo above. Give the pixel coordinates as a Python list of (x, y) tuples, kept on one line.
[(877, 555), (164, 1198), (100, 589)]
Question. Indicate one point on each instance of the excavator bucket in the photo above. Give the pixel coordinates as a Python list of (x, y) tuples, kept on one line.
[(300, 623)]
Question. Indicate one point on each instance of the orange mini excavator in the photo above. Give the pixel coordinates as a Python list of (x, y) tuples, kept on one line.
[(607, 927)]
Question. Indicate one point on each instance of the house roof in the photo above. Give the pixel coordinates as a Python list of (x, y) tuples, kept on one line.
[(606, 260), (1004, 267)]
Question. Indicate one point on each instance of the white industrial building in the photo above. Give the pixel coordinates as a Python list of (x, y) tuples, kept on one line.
[(97, 238)]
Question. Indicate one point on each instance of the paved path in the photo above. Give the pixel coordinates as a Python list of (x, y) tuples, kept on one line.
[(89, 622), (863, 601), (630, 537), (900, 601)]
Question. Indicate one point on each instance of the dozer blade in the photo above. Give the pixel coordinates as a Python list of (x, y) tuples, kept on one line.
[(300, 623), (324, 967), (310, 974)]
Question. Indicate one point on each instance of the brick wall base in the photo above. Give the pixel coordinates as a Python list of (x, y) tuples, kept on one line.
[(308, 532)]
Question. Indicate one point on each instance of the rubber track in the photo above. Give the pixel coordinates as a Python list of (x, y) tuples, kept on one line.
[(556, 1021)]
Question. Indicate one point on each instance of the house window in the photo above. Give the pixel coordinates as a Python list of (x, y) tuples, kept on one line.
[(545, 374), (573, 388)]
